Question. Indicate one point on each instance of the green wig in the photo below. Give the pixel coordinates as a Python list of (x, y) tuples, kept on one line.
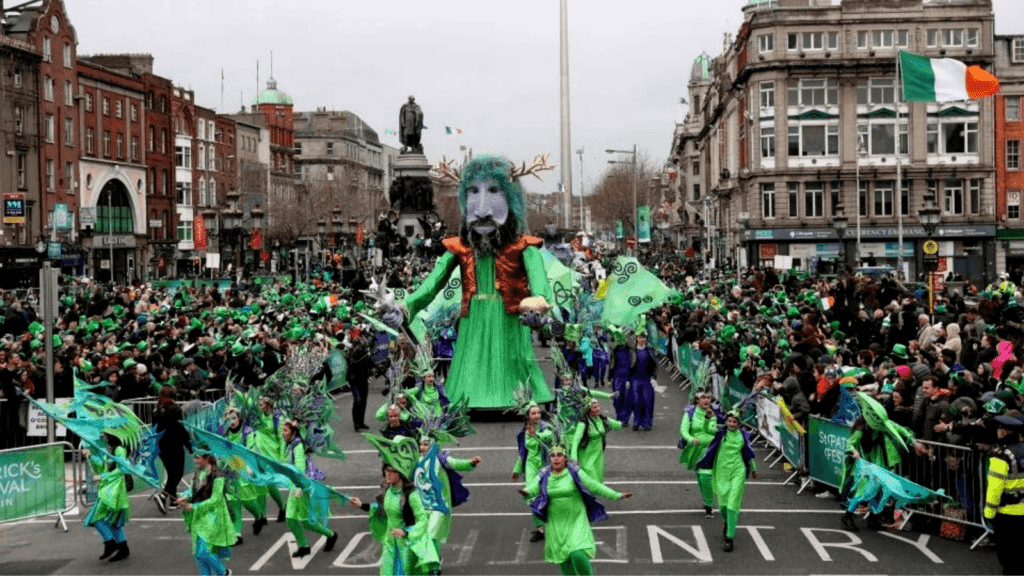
[(498, 170)]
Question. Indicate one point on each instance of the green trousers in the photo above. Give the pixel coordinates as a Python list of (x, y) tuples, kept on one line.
[(255, 507), (577, 563), (275, 495), (730, 517), (298, 528), (707, 490)]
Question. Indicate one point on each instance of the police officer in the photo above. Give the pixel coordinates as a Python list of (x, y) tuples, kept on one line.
[(1004, 502)]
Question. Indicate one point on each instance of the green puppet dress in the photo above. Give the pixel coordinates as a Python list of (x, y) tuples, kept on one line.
[(696, 424), (588, 443), (493, 352), (568, 538)]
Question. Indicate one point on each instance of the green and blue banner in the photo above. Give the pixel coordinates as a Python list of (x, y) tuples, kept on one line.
[(31, 482), (826, 448)]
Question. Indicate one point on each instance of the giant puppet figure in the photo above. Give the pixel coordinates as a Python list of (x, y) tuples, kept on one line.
[(502, 275)]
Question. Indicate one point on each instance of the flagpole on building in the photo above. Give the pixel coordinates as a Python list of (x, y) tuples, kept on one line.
[(899, 179)]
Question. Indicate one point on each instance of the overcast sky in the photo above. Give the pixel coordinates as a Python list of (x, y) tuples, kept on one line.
[(488, 67)]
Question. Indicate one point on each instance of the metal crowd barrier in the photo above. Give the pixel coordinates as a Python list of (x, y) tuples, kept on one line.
[(37, 483), (959, 471)]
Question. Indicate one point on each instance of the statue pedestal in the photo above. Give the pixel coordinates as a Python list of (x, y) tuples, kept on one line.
[(412, 165), (412, 194)]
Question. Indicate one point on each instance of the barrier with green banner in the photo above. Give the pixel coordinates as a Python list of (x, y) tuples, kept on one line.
[(791, 446), (826, 450), (32, 482)]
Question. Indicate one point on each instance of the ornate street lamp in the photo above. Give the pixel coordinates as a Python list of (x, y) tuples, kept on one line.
[(930, 215), (840, 224)]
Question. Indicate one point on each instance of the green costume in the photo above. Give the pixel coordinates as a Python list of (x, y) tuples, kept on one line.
[(696, 424), (253, 498), (112, 506), (298, 512), (493, 351), (412, 554), (270, 442), (568, 531), (209, 521), (535, 454), (730, 458), (439, 525), (590, 454)]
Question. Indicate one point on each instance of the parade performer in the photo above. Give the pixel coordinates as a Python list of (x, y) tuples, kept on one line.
[(502, 276), (600, 356), (642, 377), (270, 443), (437, 477), (207, 517), (112, 511), (245, 494), (697, 429), (397, 517), (300, 515), (622, 359), (1004, 501), (589, 437), (532, 442), (564, 497), (730, 459), (444, 347), (878, 440)]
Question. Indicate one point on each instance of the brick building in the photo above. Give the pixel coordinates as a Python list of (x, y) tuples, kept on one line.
[(771, 140), (113, 170), (1009, 135), (275, 107), (19, 133)]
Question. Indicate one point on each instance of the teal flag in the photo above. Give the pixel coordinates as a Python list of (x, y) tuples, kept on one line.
[(643, 224), (339, 370), (619, 231), (562, 279), (632, 291)]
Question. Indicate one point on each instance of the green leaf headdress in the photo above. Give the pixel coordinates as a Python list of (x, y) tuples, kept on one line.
[(447, 426), (402, 453)]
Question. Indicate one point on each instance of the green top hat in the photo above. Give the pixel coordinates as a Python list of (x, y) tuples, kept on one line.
[(107, 324), (119, 311), (57, 342), (142, 345), (35, 328), (35, 344), (238, 349), (129, 363), (899, 351), (792, 312)]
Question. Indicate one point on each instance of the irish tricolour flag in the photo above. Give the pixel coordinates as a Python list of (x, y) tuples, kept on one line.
[(943, 79)]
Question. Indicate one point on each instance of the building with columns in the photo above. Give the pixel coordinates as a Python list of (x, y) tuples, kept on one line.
[(798, 116), (1009, 173)]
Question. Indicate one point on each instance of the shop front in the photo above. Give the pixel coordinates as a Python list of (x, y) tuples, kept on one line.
[(117, 254)]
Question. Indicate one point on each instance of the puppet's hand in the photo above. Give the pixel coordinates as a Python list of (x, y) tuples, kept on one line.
[(534, 304)]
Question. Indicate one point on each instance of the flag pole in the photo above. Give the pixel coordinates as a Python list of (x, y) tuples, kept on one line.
[(899, 174)]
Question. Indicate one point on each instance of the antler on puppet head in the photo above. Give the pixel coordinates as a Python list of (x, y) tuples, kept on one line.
[(447, 170), (539, 164)]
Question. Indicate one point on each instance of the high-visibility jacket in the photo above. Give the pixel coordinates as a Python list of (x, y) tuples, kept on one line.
[(1005, 493)]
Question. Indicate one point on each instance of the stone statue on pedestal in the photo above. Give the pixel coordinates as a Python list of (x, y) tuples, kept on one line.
[(410, 127)]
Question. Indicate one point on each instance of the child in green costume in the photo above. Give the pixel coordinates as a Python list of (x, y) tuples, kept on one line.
[(532, 443), (207, 517), (698, 427), (299, 514), (111, 512), (730, 459), (588, 439)]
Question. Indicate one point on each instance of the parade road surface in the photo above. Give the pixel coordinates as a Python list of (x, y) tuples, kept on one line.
[(661, 530)]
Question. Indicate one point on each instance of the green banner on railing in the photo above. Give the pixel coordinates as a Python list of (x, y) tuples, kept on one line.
[(31, 482), (826, 449), (791, 446)]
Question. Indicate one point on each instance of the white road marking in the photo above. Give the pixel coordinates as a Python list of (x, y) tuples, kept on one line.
[(342, 560), (702, 553), (287, 541), (819, 546), (762, 546), (921, 544)]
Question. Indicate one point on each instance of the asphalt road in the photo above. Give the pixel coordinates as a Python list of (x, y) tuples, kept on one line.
[(660, 531)]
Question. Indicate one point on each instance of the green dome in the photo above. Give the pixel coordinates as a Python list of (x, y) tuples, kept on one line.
[(272, 95)]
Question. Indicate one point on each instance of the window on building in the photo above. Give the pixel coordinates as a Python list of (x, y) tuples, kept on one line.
[(953, 196), (862, 40), (832, 40), (134, 111), (69, 94), (120, 145), (812, 41), (203, 200), (47, 50), (88, 102), (183, 193), (814, 140), (932, 37), (88, 140), (1013, 204), (152, 139), (201, 159), (19, 119), (211, 131), (972, 37), (792, 41), (814, 199), (766, 43), (211, 159), (201, 127), (183, 156), (903, 38), (974, 195), (813, 92), (298, 148), (768, 201), (862, 196), (877, 91), (696, 192), (881, 38), (67, 56), (49, 128), (953, 37), (879, 136), (959, 137), (211, 194), (48, 89), (766, 92), (767, 142), (22, 167), (883, 198), (118, 111), (106, 107), (905, 198), (330, 148), (163, 141), (1013, 154), (51, 175), (794, 192), (184, 231), (69, 131), (1017, 50), (69, 175), (106, 143), (135, 149), (1013, 108)]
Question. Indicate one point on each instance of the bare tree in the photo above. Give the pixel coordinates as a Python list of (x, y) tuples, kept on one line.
[(612, 197)]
